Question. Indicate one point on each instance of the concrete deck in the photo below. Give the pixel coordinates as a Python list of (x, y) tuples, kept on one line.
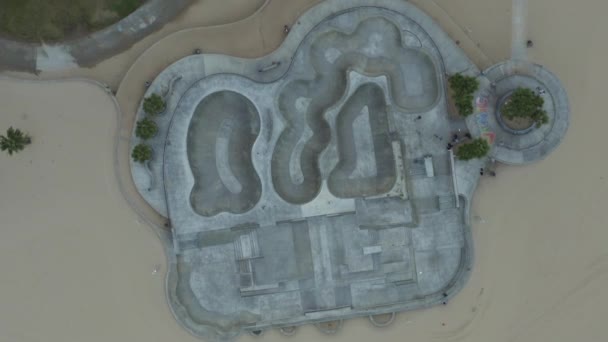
[(296, 184)]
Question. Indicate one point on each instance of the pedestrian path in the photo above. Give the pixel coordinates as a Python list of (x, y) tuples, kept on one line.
[(519, 30)]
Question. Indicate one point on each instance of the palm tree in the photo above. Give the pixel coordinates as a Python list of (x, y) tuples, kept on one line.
[(14, 141), (142, 153), (154, 104), (146, 128)]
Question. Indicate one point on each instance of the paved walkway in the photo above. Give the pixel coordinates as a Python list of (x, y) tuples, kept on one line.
[(90, 50), (519, 30)]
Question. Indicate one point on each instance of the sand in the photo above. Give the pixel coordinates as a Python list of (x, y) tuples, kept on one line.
[(77, 262)]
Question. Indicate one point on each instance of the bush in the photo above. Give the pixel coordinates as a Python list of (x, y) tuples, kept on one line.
[(125, 7), (14, 141), (154, 104), (524, 103), (142, 153), (477, 148), (463, 88), (44, 20), (146, 128)]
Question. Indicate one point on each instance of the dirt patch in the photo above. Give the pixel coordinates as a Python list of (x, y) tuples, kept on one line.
[(518, 124), (515, 123)]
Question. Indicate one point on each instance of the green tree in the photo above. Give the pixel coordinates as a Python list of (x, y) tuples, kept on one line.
[(125, 7), (14, 141), (525, 103), (154, 104), (463, 88), (146, 128), (142, 153), (477, 148)]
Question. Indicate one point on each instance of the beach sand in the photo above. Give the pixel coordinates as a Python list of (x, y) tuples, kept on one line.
[(77, 263)]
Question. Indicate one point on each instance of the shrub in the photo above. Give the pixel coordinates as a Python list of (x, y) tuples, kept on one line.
[(477, 148), (14, 141), (154, 104), (146, 128), (142, 153), (524, 103), (125, 7), (463, 88)]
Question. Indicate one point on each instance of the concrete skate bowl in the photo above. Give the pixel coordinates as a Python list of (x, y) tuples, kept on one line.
[(295, 164), (366, 164), (220, 138), (192, 315), (374, 48)]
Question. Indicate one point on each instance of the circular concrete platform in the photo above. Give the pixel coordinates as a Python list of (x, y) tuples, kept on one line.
[(532, 145)]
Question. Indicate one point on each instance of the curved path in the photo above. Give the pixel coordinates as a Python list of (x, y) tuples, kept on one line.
[(95, 47)]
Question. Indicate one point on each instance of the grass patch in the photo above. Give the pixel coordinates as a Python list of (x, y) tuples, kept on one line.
[(125, 7), (54, 20)]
